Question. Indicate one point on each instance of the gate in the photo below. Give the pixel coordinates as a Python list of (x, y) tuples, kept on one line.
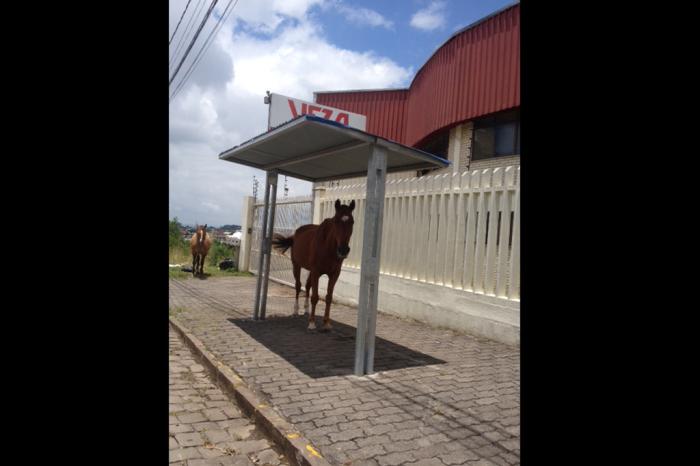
[(290, 214)]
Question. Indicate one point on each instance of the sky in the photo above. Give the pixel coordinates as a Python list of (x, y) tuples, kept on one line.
[(290, 47)]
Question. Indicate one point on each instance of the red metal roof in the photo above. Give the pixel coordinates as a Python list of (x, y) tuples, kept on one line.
[(476, 72)]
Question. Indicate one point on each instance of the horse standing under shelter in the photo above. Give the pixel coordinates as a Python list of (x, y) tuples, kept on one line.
[(320, 249)]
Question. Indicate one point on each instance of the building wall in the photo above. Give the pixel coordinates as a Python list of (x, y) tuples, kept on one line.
[(385, 109), (459, 153), (495, 162), (466, 146), (475, 73)]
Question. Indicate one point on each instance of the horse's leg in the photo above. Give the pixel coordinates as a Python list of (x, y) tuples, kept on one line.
[(296, 270), (306, 300), (329, 299), (314, 299), (194, 264), (201, 264)]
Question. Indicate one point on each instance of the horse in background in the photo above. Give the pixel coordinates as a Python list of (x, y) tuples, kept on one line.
[(199, 245), (320, 249)]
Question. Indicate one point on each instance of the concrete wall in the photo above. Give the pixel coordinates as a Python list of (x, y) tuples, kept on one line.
[(246, 233), (438, 306)]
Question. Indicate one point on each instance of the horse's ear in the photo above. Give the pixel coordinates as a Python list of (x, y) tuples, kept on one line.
[(352, 205), (337, 204)]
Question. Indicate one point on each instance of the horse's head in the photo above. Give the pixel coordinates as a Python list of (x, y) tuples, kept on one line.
[(342, 223), (201, 233)]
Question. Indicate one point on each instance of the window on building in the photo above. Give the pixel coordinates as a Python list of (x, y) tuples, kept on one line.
[(437, 144), (497, 135)]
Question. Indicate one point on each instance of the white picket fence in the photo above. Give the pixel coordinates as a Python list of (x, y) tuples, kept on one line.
[(455, 230)]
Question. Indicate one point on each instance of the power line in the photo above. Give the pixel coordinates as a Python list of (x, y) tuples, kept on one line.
[(194, 39), (202, 51), (222, 20), (178, 23), (185, 35)]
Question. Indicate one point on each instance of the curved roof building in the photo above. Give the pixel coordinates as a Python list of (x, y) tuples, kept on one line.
[(462, 104)]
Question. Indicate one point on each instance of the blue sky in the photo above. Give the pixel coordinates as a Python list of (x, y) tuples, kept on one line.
[(290, 47), (409, 46)]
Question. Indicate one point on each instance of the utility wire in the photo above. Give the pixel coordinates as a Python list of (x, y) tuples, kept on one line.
[(185, 36), (178, 23), (194, 39), (222, 20)]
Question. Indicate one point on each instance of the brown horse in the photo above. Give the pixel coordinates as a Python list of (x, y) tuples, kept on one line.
[(199, 245), (320, 249)]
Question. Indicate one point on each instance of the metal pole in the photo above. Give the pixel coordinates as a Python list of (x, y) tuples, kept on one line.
[(272, 176), (256, 309), (369, 270)]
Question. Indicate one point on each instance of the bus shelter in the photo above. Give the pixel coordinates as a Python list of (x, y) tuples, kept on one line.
[(315, 149)]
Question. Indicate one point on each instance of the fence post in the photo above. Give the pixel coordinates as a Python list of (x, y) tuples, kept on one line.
[(318, 195), (246, 233)]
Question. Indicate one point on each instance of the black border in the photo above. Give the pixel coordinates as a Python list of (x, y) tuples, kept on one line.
[(92, 183)]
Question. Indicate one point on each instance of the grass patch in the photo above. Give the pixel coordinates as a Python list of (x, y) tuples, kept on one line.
[(209, 271), (174, 311)]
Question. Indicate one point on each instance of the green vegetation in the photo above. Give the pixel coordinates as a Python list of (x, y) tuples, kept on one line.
[(174, 311), (220, 251), (179, 249), (209, 271)]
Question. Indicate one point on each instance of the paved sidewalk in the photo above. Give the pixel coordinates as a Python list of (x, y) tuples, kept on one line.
[(440, 398), (205, 427)]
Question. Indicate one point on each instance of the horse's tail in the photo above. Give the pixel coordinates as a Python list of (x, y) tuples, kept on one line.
[(282, 243)]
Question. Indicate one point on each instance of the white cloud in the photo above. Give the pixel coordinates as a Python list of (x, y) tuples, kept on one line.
[(361, 16), (432, 17), (267, 45), (211, 206)]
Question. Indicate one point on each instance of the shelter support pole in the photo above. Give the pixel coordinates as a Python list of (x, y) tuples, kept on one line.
[(272, 185), (371, 253), (263, 248)]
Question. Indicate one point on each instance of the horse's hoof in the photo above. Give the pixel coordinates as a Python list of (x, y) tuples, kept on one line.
[(312, 326)]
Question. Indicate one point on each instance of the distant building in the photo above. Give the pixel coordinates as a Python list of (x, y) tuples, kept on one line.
[(234, 239)]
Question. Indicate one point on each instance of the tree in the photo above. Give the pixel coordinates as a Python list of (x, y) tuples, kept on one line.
[(175, 233)]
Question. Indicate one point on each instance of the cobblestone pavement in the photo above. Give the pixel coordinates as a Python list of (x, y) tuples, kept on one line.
[(205, 427), (439, 397)]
